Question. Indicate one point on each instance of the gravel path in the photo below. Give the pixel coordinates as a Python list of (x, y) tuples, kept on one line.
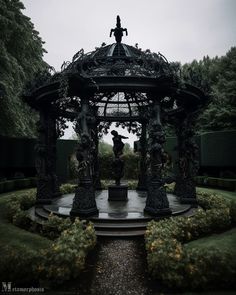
[(120, 268)]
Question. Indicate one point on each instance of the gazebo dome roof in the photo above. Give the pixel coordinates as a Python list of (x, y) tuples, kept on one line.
[(119, 60), (117, 79)]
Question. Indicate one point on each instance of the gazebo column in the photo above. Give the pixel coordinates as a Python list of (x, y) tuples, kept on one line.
[(157, 203), (96, 166), (84, 203), (142, 179), (52, 152), (188, 164), (45, 162)]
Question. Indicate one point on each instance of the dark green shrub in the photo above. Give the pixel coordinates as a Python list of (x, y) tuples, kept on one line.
[(1, 187), (170, 260), (67, 188), (131, 168), (21, 218), (9, 185), (33, 181), (22, 183), (66, 258), (17, 266), (53, 227), (223, 183)]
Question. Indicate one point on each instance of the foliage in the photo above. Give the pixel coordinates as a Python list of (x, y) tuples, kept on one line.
[(17, 265), (16, 209), (174, 264), (132, 184), (104, 148), (66, 258), (20, 59), (227, 184), (131, 168), (54, 226), (61, 261), (67, 188), (10, 185), (217, 77)]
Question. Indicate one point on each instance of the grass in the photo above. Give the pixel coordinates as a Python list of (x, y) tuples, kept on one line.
[(14, 236), (225, 241)]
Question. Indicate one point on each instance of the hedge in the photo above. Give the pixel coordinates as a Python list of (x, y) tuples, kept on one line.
[(131, 168), (62, 261), (14, 184), (172, 263), (222, 183)]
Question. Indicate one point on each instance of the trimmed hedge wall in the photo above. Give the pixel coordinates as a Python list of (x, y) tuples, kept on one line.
[(222, 183), (11, 185), (131, 166)]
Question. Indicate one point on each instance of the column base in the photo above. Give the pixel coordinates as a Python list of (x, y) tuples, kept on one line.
[(192, 201), (84, 203), (141, 188), (84, 212), (118, 192), (157, 212), (43, 202), (157, 203)]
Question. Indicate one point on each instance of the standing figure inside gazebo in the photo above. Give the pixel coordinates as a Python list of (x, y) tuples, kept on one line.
[(117, 192), (118, 144)]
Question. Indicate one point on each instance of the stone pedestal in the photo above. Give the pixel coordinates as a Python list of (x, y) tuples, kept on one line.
[(84, 204), (118, 192), (157, 203)]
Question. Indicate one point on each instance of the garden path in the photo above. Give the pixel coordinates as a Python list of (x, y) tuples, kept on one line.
[(119, 268)]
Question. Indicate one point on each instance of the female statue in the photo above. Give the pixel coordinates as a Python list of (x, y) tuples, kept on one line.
[(118, 145)]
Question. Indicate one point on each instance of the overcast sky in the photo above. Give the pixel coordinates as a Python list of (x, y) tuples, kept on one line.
[(182, 30)]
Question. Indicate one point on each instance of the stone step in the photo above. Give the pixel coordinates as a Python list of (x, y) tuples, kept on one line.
[(106, 229), (124, 226), (120, 233), (40, 212)]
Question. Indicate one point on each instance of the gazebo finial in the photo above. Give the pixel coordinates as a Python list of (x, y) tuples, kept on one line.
[(118, 31)]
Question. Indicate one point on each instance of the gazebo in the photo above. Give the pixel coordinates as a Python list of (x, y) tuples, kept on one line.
[(117, 83)]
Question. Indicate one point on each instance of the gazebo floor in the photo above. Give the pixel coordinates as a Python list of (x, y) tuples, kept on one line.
[(115, 218)]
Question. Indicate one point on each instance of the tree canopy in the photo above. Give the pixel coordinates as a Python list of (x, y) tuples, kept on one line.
[(21, 57), (217, 77)]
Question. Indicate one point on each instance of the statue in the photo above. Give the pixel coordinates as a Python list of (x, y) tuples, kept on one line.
[(118, 144), (118, 163), (118, 31)]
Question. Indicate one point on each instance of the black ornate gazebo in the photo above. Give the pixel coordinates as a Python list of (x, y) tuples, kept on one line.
[(116, 83)]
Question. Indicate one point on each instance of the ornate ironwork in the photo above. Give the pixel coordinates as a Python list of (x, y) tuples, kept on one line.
[(157, 202), (188, 163), (84, 201)]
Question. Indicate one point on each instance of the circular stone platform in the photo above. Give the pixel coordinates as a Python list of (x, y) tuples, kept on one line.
[(115, 218), (133, 208)]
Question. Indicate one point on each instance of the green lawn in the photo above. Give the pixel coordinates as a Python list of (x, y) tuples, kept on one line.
[(225, 241), (13, 236)]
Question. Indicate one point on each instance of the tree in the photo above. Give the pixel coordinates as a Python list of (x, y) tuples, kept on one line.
[(217, 77), (21, 57)]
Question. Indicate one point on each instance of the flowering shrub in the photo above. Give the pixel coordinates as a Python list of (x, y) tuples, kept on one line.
[(62, 261), (17, 265), (67, 188), (16, 207), (66, 258), (54, 225), (173, 263), (132, 184)]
